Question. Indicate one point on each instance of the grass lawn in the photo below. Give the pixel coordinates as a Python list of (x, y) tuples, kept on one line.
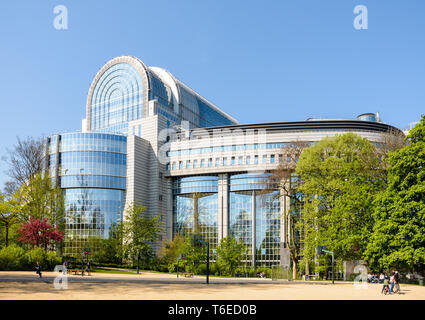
[(101, 270)]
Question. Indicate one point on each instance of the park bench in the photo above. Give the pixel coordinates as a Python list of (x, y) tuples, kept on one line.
[(188, 274)]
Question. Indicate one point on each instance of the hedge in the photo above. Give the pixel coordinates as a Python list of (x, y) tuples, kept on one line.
[(16, 258)]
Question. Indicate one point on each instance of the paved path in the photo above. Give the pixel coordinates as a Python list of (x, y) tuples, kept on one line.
[(156, 286)]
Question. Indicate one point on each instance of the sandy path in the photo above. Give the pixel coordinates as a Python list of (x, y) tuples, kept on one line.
[(20, 285)]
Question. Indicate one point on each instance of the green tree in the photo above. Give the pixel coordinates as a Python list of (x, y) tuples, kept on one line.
[(398, 238), (194, 255), (40, 199), (110, 250), (340, 177), (10, 214), (171, 251), (229, 255), (139, 232)]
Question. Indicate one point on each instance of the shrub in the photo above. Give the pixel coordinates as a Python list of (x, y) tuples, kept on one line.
[(202, 269), (32, 256), (16, 258), (11, 258), (52, 259)]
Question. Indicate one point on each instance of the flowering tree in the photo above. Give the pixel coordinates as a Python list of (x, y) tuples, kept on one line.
[(40, 233)]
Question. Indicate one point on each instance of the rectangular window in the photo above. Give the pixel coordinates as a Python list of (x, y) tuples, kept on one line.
[(210, 162), (140, 130), (280, 158), (195, 164), (188, 164), (233, 161), (264, 159), (202, 163), (240, 160), (217, 162), (174, 166), (224, 161), (255, 159), (272, 158), (248, 159)]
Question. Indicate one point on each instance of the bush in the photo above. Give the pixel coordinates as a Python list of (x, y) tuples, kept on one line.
[(11, 258), (32, 256), (16, 258), (201, 269)]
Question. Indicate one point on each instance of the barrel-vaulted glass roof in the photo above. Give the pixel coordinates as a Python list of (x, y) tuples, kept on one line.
[(121, 90)]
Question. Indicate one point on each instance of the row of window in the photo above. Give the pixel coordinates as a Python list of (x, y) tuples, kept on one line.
[(240, 147), (202, 163)]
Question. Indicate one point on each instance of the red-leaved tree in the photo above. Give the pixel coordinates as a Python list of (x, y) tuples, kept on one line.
[(39, 233)]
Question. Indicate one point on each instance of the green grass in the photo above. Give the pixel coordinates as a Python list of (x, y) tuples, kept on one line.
[(101, 270)]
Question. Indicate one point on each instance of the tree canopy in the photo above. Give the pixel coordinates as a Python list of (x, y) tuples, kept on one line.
[(398, 238), (139, 232), (339, 177), (230, 254)]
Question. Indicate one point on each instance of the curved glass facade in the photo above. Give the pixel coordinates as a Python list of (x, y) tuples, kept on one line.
[(254, 218), (195, 204), (117, 98), (90, 168)]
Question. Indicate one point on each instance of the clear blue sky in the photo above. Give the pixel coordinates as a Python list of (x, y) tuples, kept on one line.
[(259, 61)]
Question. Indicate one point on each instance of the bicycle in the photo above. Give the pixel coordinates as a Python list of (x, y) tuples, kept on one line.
[(386, 290)]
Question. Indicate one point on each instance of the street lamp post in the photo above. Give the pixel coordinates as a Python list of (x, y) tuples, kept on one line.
[(138, 257)]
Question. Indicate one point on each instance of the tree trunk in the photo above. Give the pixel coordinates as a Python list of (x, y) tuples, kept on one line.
[(294, 269), (7, 235)]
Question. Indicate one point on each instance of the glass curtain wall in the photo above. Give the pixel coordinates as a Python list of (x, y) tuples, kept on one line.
[(90, 168), (255, 218), (195, 207)]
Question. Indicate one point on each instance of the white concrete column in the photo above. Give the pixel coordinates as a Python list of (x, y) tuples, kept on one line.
[(223, 208)]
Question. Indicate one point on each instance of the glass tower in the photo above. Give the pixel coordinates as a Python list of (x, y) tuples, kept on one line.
[(90, 168)]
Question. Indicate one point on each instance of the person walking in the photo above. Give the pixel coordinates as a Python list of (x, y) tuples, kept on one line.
[(386, 281), (397, 281), (392, 281), (88, 268), (38, 269), (65, 268)]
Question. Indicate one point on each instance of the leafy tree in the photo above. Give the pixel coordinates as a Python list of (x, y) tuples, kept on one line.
[(9, 215), (171, 251), (340, 176), (110, 250), (40, 233), (398, 238), (40, 199), (194, 255), (139, 232), (230, 254)]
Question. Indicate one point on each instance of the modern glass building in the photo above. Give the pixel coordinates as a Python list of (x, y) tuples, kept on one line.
[(90, 168), (149, 138)]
